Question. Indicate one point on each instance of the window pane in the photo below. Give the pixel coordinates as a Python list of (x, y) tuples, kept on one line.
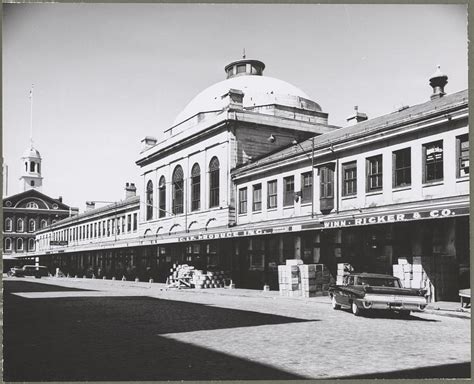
[(374, 176), (289, 191), (257, 197), (402, 167), (434, 161)]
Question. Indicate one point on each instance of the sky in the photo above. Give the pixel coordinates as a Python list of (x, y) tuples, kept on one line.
[(107, 75)]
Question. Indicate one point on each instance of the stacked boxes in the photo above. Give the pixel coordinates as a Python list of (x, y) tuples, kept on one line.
[(306, 280), (289, 278), (186, 276), (209, 279), (414, 275), (343, 269)]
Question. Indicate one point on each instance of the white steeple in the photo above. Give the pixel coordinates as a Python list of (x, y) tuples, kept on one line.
[(31, 160), (31, 170)]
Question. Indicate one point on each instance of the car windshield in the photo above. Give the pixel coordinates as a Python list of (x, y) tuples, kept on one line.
[(378, 282)]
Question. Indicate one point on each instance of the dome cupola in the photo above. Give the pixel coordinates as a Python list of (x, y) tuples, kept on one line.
[(31, 169), (244, 67)]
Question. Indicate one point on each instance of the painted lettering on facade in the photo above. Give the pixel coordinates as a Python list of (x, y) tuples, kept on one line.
[(391, 218), (231, 234)]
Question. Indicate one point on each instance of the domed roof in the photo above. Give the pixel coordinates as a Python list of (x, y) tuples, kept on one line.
[(258, 90), (32, 152)]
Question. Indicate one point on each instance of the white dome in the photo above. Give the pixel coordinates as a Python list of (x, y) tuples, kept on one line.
[(258, 90), (32, 152)]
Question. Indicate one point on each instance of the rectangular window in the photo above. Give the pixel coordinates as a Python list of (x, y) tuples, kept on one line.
[(214, 188), (123, 224), (243, 200), (135, 218), (326, 182), (349, 179), (307, 187), (288, 191), (374, 173), (272, 194), (402, 167), (462, 143), (129, 223), (241, 68), (433, 161), (257, 197), (162, 197)]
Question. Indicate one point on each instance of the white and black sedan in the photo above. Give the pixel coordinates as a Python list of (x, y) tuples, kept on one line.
[(369, 291)]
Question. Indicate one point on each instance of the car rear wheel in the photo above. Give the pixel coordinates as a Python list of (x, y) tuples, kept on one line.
[(335, 305), (355, 309)]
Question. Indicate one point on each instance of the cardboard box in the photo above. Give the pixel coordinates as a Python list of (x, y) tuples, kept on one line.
[(397, 269), (407, 283), (407, 276), (417, 268), (407, 268), (402, 260), (295, 262), (416, 284), (310, 275), (417, 260)]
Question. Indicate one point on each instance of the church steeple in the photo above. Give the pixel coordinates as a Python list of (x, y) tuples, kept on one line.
[(31, 160), (31, 170)]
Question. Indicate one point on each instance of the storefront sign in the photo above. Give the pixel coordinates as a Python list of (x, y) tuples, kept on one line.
[(58, 242), (394, 218), (232, 234)]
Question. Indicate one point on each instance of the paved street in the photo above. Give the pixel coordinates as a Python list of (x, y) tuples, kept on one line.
[(68, 329)]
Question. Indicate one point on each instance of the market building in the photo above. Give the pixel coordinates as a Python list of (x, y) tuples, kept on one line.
[(29, 211), (251, 173)]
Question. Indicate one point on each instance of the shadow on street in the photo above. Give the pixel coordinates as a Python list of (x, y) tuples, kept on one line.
[(118, 338), (451, 371)]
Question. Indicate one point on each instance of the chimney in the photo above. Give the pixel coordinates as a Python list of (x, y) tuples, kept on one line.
[(438, 81), (90, 205), (130, 190), (148, 142), (357, 116), (60, 199), (233, 99)]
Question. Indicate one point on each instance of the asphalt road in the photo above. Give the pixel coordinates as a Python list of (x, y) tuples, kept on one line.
[(54, 333)]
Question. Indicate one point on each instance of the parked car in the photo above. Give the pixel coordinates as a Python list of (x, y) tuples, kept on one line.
[(29, 270), (369, 291)]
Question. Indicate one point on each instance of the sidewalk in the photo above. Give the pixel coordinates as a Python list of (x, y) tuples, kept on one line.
[(440, 308)]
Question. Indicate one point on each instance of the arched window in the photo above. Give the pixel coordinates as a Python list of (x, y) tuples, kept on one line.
[(19, 225), (44, 223), (38, 168), (214, 182), (32, 166), (31, 244), (32, 183), (149, 200), (8, 224), (177, 192), (162, 196), (19, 244), (8, 244), (26, 166), (195, 187), (32, 225)]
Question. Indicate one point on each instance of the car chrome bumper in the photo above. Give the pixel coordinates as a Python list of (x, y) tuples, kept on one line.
[(394, 302)]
